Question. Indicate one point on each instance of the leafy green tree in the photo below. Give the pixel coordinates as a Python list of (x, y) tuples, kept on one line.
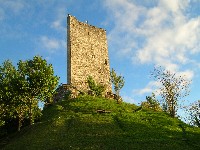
[(22, 88), (193, 111), (40, 82), (97, 89), (117, 81), (173, 88), (151, 103), (6, 96), (12, 101)]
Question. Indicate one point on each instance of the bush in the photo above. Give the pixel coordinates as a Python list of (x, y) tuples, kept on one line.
[(95, 89), (68, 94), (151, 103)]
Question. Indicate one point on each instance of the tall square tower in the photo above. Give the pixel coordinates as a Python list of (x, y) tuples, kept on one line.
[(87, 55)]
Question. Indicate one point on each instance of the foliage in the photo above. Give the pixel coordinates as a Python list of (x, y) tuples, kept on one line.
[(193, 111), (61, 92), (12, 99), (173, 88), (22, 88), (151, 103), (97, 89), (40, 82), (39, 77), (75, 124), (68, 94), (4, 93), (117, 81)]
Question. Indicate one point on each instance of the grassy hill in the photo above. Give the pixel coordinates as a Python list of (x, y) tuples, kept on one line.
[(76, 125)]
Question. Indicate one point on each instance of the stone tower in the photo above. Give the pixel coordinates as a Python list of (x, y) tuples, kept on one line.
[(87, 55)]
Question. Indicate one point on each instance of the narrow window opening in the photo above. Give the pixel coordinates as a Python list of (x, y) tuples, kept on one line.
[(106, 62)]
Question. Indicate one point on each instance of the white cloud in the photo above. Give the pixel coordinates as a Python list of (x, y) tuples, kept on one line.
[(60, 18), (174, 5), (162, 34), (172, 42), (14, 6), (152, 86), (2, 14), (187, 74), (51, 44), (128, 99), (124, 27)]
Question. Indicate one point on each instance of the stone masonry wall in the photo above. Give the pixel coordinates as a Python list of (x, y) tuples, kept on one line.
[(87, 55)]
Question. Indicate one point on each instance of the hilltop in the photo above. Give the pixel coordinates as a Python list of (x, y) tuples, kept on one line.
[(76, 124)]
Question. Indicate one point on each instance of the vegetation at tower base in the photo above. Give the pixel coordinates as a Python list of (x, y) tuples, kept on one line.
[(151, 103), (22, 88), (75, 124), (117, 81), (96, 89), (174, 87)]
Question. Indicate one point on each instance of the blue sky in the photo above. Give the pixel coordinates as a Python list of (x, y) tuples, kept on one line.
[(141, 34)]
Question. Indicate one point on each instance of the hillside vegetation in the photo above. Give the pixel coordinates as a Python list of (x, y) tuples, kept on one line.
[(75, 124)]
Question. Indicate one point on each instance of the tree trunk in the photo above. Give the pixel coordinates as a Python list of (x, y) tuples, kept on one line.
[(30, 113), (197, 121), (117, 93), (19, 124), (173, 110), (20, 118)]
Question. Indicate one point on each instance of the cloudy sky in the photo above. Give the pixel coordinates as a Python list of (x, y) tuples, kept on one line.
[(141, 34)]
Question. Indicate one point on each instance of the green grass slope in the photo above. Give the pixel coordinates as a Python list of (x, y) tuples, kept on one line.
[(76, 125)]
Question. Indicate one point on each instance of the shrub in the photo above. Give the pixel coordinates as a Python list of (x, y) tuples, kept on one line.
[(95, 89), (151, 103)]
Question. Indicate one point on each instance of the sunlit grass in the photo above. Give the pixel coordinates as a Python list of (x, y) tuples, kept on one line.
[(75, 124)]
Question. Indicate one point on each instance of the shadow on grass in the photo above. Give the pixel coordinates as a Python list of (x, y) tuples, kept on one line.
[(78, 131), (76, 125)]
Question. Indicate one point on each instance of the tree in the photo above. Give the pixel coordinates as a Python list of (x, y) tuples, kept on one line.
[(20, 89), (97, 89), (13, 104), (19, 98), (173, 88), (193, 111), (117, 81), (6, 96), (40, 82)]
